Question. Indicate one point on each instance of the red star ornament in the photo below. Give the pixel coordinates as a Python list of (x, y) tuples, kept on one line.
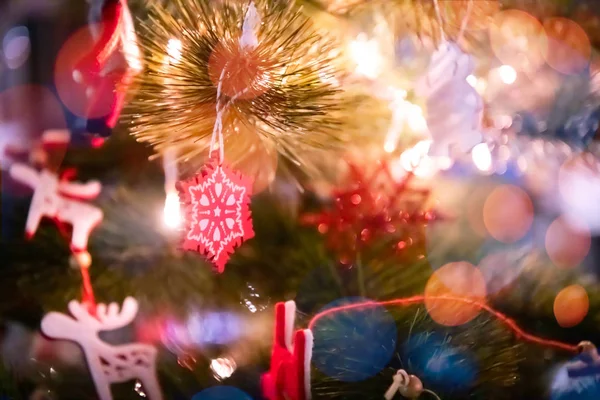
[(216, 204)]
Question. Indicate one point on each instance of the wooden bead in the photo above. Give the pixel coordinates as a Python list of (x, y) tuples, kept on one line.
[(414, 389), (586, 347), (80, 260)]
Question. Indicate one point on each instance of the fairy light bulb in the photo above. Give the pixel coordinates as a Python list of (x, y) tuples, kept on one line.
[(482, 157), (398, 107), (389, 146), (367, 56), (472, 80), (174, 48), (415, 160), (172, 211), (222, 368), (416, 120), (403, 113), (508, 75)]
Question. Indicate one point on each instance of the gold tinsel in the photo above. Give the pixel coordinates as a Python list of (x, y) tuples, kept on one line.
[(292, 102)]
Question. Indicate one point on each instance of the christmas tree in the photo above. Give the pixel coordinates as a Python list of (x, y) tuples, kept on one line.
[(277, 199)]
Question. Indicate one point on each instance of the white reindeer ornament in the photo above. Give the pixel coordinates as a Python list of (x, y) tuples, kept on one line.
[(60, 200), (108, 364)]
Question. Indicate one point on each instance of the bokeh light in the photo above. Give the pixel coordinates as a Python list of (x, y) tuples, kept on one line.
[(353, 346), (16, 47), (74, 95), (457, 279), (367, 56), (174, 47), (482, 157), (567, 246), (518, 39), (571, 305), (200, 329), (579, 188), (222, 368), (416, 160), (440, 364), (472, 80), (214, 328), (508, 213), (507, 74), (569, 49), (29, 110), (172, 211), (222, 393)]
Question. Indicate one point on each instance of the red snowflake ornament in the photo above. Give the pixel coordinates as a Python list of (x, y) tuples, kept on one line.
[(216, 203)]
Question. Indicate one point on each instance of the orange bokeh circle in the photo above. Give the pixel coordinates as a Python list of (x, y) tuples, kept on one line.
[(571, 306), (508, 213), (518, 39), (458, 279), (568, 47), (73, 94), (565, 245)]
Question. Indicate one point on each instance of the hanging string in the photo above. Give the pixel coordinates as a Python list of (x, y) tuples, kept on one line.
[(439, 18), (248, 41), (432, 393), (465, 20), (512, 325), (217, 131), (87, 290)]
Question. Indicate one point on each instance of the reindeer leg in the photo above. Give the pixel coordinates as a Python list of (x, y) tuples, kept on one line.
[(151, 386), (83, 228), (103, 391), (101, 380)]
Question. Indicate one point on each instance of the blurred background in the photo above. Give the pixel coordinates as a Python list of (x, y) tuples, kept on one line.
[(363, 210)]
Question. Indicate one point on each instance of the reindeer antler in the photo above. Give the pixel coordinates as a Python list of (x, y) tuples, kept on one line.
[(111, 318), (81, 313)]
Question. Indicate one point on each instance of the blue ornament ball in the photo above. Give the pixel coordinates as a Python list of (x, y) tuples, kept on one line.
[(222, 393), (356, 344), (438, 363)]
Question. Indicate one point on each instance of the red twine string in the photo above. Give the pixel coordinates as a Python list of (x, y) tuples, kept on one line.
[(87, 289), (512, 325)]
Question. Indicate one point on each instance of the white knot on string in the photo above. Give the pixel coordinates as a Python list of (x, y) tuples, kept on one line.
[(401, 380), (249, 39)]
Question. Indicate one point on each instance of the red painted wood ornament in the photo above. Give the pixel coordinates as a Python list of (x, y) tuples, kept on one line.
[(289, 375), (216, 205), (111, 64)]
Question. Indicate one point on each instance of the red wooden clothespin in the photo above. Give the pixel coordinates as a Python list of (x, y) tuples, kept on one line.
[(289, 375), (109, 68)]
